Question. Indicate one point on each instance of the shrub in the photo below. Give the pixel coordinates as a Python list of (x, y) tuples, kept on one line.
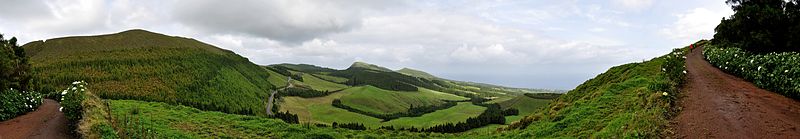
[(772, 71), (71, 101), (15, 102), (86, 112)]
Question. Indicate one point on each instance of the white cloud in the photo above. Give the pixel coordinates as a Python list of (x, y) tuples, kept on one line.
[(463, 38), (635, 4), (698, 23)]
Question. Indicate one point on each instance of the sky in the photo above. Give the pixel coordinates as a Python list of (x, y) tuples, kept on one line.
[(518, 43)]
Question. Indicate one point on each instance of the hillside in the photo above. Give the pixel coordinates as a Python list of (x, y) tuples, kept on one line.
[(371, 94), (143, 65), (628, 101), (416, 73)]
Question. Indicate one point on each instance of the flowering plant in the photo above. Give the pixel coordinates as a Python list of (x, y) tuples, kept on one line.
[(15, 102), (776, 72), (71, 99)]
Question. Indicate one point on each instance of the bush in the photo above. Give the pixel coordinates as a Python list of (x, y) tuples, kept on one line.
[(772, 71), (71, 101), (15, 102)]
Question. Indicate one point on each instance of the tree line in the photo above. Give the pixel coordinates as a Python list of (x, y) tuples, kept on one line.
[(353, 126), (411, 112), (761, 26), (286, 117), (304, 92)]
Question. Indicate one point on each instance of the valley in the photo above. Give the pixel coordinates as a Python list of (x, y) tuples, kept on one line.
[(300, 69)]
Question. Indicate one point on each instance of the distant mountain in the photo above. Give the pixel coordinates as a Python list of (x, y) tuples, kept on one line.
[(362, 65), (407, 79), (143, 65)]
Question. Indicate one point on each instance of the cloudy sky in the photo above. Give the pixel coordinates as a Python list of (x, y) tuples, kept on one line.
[(554, 44)]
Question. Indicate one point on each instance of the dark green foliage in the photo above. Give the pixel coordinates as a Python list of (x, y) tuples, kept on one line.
[(761, 26), (143, 65), (353, 126), (286, 117), (779, 72), (15, 102), (15, 71), (510, 112), (304, 68), (411, 112), (493, 115), (303, 92)]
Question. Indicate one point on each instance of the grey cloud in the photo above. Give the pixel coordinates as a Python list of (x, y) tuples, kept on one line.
[(23, 9), (289, 21)]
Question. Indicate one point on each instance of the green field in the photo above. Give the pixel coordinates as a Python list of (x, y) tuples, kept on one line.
[(321, 85), (276, 78), (455, 114), (331, 78), (526, 105), (320, 110), (376, 100), (160, 120)]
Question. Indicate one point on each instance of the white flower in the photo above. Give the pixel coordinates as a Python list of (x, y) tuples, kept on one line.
[(751, 61), (76, 82), (726, 63), (64, 92), (74, 88), (785, 71), (759, 68), (684, 71), (60, 108), (665, 93), (83, 90), (663, 69)]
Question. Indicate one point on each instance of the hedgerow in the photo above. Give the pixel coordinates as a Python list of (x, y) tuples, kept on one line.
[(15, 102), (772, 71), (86, 113)]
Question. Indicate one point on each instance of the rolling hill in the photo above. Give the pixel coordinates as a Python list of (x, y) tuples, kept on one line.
[(633, 100), (142, 65)]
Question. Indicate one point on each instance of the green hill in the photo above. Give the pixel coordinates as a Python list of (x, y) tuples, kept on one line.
[(143, 65), (368, 66), (627, 101), (416, 73)]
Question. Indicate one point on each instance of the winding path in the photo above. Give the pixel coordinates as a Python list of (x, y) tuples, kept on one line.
[(719, 105), (44, 123), (271, 99)]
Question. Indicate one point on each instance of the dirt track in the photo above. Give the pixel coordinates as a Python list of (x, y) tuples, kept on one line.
[(719, 105), (44, 123)]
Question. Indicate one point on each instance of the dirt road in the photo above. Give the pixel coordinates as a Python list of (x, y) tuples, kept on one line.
[(44, 123), (719, 105)]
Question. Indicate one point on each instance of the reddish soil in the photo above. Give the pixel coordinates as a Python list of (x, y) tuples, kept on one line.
[(44, 123), (718, 105)]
